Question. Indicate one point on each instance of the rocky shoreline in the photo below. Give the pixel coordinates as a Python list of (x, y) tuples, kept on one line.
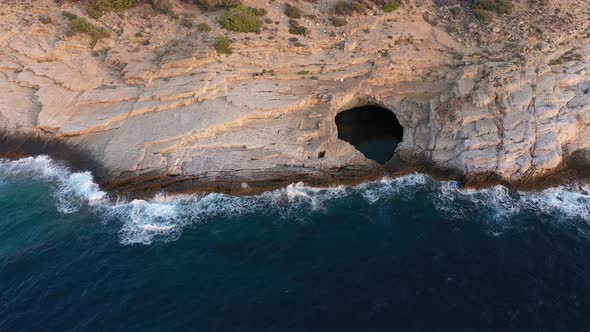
[(574, 169)]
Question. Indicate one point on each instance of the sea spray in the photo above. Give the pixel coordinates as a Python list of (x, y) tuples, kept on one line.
[(163, 217)]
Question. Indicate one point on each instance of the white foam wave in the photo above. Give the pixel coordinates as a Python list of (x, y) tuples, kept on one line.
[(71, 190), (163, 217)]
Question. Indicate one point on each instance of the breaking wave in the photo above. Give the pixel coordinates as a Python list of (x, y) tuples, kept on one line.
[(163, 217)]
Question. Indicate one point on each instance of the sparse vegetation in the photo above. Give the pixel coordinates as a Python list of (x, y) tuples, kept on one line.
[(342, 8), (455, 11), (260, 11), (97, 8), (217, 4), (81, 25), (45, 20), (164, 7), (187, 22), (297, 29), (358, 7), (68, 15), (241, 19), (292, 12), (498, 6), (222, 45), (204, 27), (390, 6), (484, 9), (483, 15), (338, 21), (566, 57), (452, 28)]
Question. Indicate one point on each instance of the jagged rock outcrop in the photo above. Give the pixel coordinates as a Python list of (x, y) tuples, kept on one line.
[(157, 106)]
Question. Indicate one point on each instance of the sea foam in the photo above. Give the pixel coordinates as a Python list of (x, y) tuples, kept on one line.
[(163, 217)]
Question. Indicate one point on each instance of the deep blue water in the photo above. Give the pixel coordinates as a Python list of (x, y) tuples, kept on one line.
[(405, 254)]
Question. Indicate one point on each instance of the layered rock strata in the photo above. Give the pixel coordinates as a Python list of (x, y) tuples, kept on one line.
[(156, 106)]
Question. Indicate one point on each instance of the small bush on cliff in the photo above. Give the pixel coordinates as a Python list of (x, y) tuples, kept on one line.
[(292, 12), (297, 29), (260, 11), (483, 15), (217, 4), (81, 25), (241, 19), (499, 6), (342, 8), (484, 9), (338, 21), (390, 6), (348, 8), (358, 7), (97, 8), (222, 45), (164, 7)]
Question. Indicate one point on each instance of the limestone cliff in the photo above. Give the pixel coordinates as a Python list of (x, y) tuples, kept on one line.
[(156, 105)]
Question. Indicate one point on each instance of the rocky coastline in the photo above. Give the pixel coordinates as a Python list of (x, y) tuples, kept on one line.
[(154, 107)]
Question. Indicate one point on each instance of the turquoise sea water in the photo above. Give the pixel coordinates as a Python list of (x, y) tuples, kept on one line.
[(404, 254)]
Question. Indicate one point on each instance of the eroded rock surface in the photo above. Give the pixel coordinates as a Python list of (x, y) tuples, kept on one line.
[(157, 106)]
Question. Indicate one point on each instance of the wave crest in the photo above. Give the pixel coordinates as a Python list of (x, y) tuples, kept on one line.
[(163, 217)]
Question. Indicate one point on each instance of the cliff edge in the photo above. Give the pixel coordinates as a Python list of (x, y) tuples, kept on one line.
[(157, 103)]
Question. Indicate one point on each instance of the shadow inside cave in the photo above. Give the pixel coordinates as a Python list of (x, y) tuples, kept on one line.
[(372, 130)]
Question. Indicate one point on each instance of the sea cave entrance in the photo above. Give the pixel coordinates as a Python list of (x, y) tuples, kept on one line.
[(372, 130)]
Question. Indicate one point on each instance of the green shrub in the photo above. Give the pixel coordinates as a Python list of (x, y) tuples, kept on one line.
[(216, 4), (222, 45), (292, 11), (486, 4), (338, 21), (69, 15), (260, 11), (81, 25), (484, 9), (342, 8), (164, 7), (97, 8), (241, 19), (504, 7), (358, 7), (390, 6), (483, 15), (297, 29)]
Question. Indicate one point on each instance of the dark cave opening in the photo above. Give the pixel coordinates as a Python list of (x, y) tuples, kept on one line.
[(372, 130)]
